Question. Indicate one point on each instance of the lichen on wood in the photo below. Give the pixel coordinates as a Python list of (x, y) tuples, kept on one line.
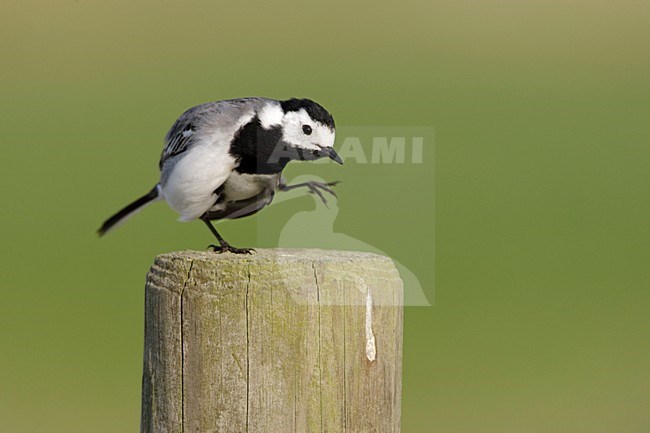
[(281, 340)]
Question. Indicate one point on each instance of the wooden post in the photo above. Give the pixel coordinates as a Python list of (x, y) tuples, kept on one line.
[(286, 341)]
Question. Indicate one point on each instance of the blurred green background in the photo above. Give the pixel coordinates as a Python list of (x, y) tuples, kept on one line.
[(537, 191)]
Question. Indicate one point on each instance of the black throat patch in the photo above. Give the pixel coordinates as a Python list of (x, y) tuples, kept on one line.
[(256, 149)]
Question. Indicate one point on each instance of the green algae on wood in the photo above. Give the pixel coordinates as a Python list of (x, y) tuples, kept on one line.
[(280, 340)]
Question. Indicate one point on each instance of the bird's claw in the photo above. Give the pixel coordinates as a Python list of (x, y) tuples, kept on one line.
[(316, 187), (230, 249)]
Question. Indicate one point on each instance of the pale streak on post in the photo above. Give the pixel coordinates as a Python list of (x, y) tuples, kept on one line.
[(278, 341), (371, 349)]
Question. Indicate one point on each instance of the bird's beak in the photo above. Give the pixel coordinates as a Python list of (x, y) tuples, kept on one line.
[(331, 154)]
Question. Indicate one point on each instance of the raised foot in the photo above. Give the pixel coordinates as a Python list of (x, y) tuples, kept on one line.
[(315, 188), (230, 249)]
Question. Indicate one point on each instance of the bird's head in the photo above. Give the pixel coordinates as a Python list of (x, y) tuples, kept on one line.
[(307, 130)]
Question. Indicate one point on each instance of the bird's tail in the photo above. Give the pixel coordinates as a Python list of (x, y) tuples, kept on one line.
[(129, 210)]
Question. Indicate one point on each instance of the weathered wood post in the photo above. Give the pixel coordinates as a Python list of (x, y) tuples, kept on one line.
[(281, 341)]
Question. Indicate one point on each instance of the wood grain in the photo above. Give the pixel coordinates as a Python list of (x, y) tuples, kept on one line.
[(278, 341)]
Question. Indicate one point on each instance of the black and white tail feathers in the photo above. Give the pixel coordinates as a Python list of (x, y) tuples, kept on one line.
[(129, 211)]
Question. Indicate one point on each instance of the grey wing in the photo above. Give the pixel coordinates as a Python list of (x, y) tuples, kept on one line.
[(181, 135), (176, 143), (186, 130)]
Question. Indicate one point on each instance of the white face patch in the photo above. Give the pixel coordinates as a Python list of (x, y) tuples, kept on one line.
[(271, 115), (292, 132)]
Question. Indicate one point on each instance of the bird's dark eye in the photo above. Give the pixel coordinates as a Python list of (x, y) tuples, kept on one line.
[(306, 129)]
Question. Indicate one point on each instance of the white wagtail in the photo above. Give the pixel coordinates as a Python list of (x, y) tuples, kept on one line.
[(225, 159)]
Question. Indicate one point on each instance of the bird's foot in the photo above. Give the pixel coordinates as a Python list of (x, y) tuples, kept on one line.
[(230, 249), (315, 188)]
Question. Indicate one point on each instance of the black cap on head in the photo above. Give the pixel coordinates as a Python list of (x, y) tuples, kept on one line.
[(315, 110)]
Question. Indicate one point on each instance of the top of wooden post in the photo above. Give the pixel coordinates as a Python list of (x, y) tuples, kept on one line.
[(172, 270), (281, 255)]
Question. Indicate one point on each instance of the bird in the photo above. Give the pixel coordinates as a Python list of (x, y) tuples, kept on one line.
[(224, 160)]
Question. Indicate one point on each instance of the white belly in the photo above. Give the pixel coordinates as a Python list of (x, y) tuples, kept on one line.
[(189, 188), (244, 186)]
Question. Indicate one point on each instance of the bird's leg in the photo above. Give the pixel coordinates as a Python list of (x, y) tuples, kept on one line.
[(314, 188), (223, 245)]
